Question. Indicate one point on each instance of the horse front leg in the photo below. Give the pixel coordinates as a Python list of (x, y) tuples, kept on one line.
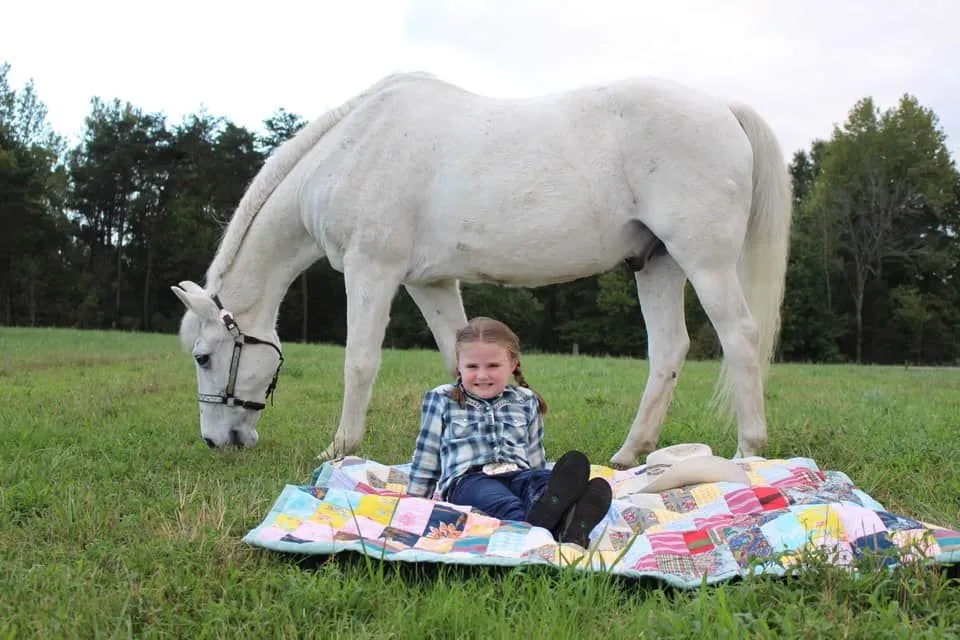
[(660, 290), (442, 309), (370, 289)]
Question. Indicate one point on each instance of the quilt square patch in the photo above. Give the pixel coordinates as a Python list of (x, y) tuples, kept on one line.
[(822, 524), (377, 508), (719, 562), (509, 540), (858, 522), (785, 533), (375, 481), (748, 545), (770, 498), (292, 538), (412, 514), (713, 521), (706, 494), (400, 536), (698, 542), (317, 492), (395, 476), (679, 565), (615, 540), (331, 514), (288, 522), (315, 531), (632, 516), (877, 543), (947, 540), (646, 563), (471, 544), (915, 543), (445, 522), (435, 545), (645, 518), (679, 500), (668, 543), (894, 522), (743, 501), (348, 500), (363, 527), (478, 524)]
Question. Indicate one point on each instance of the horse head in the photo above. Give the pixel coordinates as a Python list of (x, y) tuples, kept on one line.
[(236, 372)]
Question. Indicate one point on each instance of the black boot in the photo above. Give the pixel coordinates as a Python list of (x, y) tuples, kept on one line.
[(586, 513), (568, 481)]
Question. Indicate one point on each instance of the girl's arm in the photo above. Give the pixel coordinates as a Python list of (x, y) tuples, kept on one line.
[(536, 455), (425, 467)]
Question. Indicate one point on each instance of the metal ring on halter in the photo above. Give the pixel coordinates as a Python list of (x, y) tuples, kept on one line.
[(240, 339)]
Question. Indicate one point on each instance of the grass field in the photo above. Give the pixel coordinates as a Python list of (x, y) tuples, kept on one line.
[(116, 520)]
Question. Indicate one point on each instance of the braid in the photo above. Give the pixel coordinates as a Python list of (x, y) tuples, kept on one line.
[(457, 393), (518, 374)]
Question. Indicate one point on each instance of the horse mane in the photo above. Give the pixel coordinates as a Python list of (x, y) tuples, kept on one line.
[(277, 167)]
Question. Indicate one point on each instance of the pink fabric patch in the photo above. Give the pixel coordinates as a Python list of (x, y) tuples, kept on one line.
[(315, 531), (668, 543), (413, 514), (859, 522), (363, 527), (743, 501)]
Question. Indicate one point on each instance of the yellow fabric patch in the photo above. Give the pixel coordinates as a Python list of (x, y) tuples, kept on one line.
[(378, 508), (334, 515)]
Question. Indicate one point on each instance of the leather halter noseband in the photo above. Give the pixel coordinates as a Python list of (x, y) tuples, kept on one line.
[(239, 339)]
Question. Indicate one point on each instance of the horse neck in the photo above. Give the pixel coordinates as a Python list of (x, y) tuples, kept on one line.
[(274, 252)]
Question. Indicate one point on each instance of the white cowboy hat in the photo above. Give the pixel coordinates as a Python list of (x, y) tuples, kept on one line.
[(689, 464)]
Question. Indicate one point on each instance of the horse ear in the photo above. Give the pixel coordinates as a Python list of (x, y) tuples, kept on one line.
[(197, 300), (192, 287)]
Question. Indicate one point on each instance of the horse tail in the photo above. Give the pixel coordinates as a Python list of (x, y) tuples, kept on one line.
[(763, 263), (277, 167)]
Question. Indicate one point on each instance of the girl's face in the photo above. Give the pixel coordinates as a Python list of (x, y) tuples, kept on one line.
[(485, 368)]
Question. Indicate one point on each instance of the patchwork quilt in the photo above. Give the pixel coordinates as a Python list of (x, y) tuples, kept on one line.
[(790, 511)]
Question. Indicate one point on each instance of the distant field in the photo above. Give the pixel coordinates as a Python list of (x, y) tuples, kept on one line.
[(116, 520)]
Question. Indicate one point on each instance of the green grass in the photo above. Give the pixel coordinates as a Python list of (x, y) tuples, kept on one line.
[(116, 520)]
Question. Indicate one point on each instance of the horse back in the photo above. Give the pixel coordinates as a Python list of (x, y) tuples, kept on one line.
[(468, 186)]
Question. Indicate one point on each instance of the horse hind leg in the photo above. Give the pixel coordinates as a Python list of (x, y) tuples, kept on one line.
[(722, 298), (660, 290), (370, 289), (442, 309)]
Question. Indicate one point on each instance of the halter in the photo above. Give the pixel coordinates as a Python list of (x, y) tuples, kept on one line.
[(239, 339)]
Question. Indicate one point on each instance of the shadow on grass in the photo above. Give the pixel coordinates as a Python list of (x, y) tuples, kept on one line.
[(427, 572), (421, 573)]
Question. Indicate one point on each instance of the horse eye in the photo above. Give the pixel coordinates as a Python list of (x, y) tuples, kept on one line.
[(202, 359)]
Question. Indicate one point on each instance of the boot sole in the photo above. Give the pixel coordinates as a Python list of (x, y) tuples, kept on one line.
[(568, 481), (587, 513)]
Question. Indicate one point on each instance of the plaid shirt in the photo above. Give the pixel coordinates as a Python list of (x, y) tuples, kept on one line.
[(508, 428)]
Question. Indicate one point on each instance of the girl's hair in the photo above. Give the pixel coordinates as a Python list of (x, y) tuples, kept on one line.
[(492, 331)]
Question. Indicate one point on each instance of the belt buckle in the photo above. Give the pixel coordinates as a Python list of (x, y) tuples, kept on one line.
[(499, 468)]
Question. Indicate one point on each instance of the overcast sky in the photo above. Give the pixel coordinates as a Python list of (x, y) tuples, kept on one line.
[(801, 64)]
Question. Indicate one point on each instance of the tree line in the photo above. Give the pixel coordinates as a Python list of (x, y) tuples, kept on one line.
[(92, 235)]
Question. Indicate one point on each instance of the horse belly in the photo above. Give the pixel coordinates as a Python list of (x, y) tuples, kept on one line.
[(518, 257)]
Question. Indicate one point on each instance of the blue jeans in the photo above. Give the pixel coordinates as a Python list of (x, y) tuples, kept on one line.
[(507, 497)]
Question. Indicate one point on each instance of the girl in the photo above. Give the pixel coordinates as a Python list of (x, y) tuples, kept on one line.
[(481, 441)]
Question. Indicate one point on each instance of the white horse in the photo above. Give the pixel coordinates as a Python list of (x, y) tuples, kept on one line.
[(421, 183)]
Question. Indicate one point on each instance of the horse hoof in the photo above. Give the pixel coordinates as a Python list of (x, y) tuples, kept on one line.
[(328, 454), (333, 452), (621, 462)]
